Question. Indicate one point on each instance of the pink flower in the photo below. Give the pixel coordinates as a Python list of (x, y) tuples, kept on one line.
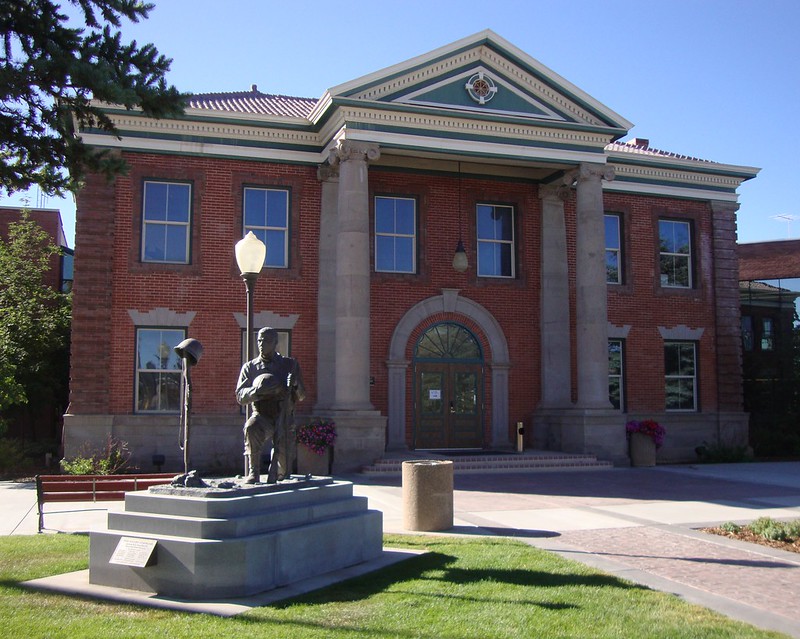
[(647, 427)]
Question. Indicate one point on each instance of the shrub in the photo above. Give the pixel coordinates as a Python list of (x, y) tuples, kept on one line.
[(111, 460), (730, 527), (12, 456)]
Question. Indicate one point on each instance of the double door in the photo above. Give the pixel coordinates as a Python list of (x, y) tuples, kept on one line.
[(448, 405)]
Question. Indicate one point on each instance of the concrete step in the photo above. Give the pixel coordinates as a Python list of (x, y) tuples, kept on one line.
[(486, 462)]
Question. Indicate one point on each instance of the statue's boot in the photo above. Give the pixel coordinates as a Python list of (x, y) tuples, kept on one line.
[(254, 474)]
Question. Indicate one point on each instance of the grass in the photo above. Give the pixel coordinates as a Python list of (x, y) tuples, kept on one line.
[(462, 589)]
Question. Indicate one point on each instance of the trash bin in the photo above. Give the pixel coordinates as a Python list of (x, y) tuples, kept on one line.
[(427, 495)]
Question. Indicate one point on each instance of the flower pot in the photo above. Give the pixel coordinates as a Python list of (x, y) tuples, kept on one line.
[(643, 450), (309, 463)]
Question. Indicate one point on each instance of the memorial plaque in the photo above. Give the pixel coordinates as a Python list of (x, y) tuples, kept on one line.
[(134, 551)]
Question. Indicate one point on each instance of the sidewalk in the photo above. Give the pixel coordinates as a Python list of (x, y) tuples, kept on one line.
[(638, 524)]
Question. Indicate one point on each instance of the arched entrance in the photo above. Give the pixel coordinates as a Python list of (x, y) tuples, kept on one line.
[(448, 387)]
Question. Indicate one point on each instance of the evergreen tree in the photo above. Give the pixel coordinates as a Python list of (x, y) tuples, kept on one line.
[(50, 75), (34, 320)]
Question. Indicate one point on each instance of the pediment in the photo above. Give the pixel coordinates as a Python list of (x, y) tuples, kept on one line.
[(484, 75)]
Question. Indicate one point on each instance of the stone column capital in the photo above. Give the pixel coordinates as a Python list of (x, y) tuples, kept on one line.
[(328, 172), (595, 172), (553, 192), (353, 150)]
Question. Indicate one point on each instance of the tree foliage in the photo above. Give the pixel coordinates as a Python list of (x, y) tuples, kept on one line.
[(34, 319), (52, 76)]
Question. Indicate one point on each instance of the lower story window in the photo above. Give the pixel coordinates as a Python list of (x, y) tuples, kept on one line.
[(680, 371), (158, 370), (615, 373)]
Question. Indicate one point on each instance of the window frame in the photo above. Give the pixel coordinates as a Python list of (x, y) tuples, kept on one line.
[(168, 371), (689, 257), (511, 243), (187, 225), (262, 231), (679, 377), (414, 236), (619, 376), (618, 250)]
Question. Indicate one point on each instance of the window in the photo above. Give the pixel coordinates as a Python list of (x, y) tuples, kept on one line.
[(615, 388), (681, 375), (747, 332), (495, 240), (282, 346), (613, 250), (158, 370), (395, 235), (266, 214), (767, 334), (676, 253), (165, 222)]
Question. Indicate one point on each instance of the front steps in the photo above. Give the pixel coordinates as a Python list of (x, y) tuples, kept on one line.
[(487, 462)]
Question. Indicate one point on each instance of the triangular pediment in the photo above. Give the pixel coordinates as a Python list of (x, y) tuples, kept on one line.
[(481, 90), (482, 74)]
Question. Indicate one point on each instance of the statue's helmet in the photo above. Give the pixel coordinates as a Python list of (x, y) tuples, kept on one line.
[(267, 385)]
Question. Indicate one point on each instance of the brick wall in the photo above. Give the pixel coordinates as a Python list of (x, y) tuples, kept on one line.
[(107, 258)]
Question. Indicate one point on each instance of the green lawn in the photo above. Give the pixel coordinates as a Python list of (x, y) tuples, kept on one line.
[(476, 588)]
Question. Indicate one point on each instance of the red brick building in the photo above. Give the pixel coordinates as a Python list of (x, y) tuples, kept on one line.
[(600, 285)]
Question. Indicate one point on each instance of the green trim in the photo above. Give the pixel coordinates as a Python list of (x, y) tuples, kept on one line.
[(615, 133), (697, 166), (222, 156), (490, 108), (362, 126), (243, 121), (454, 174), (669, 183), (254, 144)]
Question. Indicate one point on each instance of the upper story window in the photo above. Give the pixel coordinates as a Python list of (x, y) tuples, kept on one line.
[(266, 214), (613, 249), (395, 234), (158, 370), (680, 371), (747, 332), (675, 247), (767, 334), (166, 222), (495, 240)]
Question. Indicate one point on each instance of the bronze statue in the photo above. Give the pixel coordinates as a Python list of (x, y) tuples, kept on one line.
[(273, 384)]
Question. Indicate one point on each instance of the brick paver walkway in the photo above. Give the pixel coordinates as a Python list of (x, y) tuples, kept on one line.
[(765, 579)]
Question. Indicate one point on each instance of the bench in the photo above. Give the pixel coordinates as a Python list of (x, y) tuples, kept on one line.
[(51, 488)]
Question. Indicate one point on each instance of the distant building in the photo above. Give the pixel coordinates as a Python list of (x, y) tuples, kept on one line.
[(41, 422), (60, 274), (769, 274), (600, 283)]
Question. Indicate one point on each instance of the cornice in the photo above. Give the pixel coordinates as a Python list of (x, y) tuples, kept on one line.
[(475, 56)]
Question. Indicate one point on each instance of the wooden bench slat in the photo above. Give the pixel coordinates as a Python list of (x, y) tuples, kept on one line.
[(64, 488)]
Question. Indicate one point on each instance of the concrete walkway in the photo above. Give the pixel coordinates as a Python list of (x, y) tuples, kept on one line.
[(638, 524)]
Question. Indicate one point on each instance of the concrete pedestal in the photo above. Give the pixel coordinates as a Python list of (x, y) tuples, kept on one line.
[(427, 495), (235, 543)]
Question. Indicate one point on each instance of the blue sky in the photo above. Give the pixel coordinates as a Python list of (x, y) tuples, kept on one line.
[(714, 79)]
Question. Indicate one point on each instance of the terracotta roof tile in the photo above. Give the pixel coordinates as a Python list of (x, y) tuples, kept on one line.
[(254, 102), (634, 148), (769, 260)]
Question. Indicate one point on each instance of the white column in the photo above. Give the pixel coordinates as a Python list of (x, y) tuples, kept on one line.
[(555, 324), (326, 293), (352, 364), (591, 307)]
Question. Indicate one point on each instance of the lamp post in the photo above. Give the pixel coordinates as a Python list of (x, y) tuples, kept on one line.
[(250, 255)]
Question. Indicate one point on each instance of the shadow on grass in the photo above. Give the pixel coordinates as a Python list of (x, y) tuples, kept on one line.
[(435, 566)]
